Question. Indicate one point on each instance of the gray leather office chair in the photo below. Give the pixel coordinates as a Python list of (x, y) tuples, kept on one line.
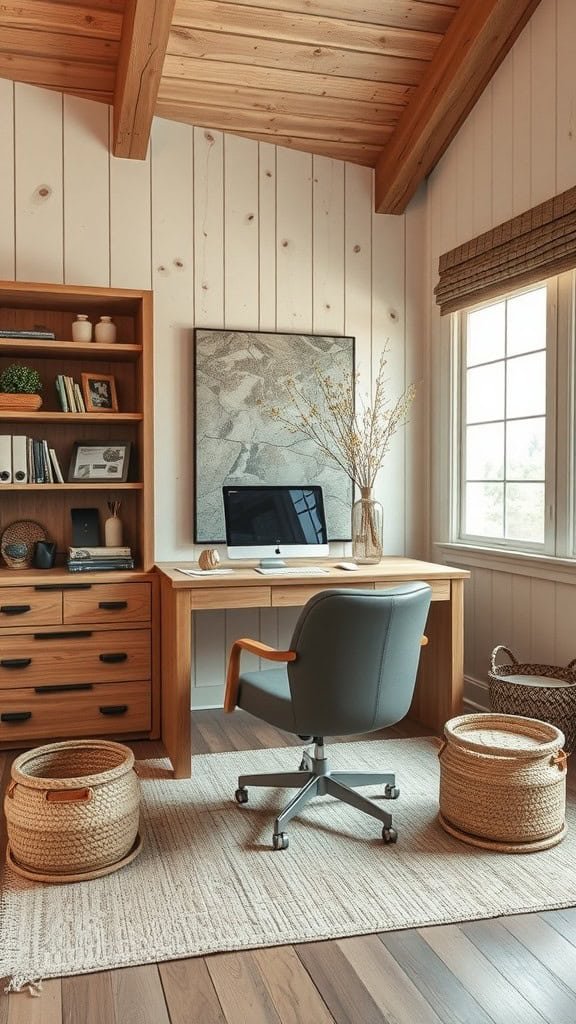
[(351, 668)]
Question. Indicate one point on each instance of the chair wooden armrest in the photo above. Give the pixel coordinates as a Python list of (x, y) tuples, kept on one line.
[(254, 647), (424, 641)]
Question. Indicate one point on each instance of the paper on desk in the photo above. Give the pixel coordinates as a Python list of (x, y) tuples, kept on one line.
[(205, 572)]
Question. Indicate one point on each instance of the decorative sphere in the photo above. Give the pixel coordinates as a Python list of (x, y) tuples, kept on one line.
[(208, 559)]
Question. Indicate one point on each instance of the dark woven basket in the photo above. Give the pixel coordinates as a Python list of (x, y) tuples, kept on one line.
[(553, 704)]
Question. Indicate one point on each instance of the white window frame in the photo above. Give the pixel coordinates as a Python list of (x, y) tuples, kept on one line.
[(559, 453)]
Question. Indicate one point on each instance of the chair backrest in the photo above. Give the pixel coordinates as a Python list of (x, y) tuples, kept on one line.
[(358, 653)]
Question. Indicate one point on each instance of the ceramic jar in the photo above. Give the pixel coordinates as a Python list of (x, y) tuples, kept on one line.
[(105, 330), (81, 328), (113, 532)]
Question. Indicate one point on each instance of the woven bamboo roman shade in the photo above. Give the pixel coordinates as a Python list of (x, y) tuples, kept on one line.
[(535, 245)]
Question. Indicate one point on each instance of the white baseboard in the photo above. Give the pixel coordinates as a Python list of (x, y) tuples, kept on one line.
[(476, 694)]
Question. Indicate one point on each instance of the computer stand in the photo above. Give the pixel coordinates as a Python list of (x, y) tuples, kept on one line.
[(271, 563)]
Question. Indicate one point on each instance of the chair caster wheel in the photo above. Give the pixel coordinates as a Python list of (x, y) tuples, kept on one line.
[(389, 835), (303, 766), (391, 792), (280, 841), (241, 795)]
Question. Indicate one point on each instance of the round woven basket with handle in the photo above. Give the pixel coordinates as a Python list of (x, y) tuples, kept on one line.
[(72, 809), (503, 782), (547, 692)]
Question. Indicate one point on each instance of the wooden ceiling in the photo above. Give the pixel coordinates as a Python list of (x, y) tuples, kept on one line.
[(379, 82)]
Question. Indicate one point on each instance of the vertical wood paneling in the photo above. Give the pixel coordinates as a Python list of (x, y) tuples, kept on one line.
[(565, 640), (86, 193), (328, 241), (38, 164), (267, 235), (543, 102), (482, 192), (208, 228), (522, 121), (483, 641), (543, 618), (173, 283), (416, 474), (566, 95), (502, 144), (241, 302), (130, 230), (294, 240), (7, 247), (465, 182), (388, 333), (358, 268)]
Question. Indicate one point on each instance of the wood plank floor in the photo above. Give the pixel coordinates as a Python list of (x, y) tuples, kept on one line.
[(514, 969)]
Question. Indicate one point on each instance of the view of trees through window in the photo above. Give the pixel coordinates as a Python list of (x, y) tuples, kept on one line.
[(503, 431)]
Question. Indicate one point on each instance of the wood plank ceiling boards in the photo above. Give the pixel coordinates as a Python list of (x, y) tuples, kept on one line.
[(384, 83)]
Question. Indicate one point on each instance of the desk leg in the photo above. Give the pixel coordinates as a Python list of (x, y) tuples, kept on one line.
[(176, 670), (440, 683)]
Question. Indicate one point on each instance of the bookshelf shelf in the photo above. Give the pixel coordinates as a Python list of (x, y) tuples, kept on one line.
[(28, 348), (72, 487), (20, 416)]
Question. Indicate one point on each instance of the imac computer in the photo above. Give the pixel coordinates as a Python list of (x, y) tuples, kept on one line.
[(270, 523)]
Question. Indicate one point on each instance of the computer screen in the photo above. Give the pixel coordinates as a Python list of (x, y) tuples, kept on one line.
[(271, 522)]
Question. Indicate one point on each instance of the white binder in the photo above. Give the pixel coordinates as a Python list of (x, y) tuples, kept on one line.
[(19, 459), (5, 459)]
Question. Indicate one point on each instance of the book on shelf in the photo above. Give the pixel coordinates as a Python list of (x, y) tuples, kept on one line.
[(99, 564), (41, 335), (99, 552), (27, 460)]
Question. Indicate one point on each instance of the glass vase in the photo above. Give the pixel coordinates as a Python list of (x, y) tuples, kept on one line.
[(367, 528)]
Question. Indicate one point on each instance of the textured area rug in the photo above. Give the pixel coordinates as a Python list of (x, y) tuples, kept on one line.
[(208, 880)]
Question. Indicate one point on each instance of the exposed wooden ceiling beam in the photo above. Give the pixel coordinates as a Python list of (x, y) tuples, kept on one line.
[(476, 42), (145, 31)]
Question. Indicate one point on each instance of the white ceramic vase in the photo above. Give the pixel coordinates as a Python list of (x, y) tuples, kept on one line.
[(113, 532), (105, 330), (81, 328)]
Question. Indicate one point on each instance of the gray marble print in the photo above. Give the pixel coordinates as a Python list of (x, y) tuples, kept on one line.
[(239, 375)]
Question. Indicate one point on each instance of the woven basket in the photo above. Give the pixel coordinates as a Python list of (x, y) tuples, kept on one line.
[(522, 689), (72, 809), (503, 782)]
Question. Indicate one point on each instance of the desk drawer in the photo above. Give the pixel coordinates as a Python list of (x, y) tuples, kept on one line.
[(98, 710), (230, 597), (74, 656), (108, 602), (440, 588), (296, 595), (25, 606)]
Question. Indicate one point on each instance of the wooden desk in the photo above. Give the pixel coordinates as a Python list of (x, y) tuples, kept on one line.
[(438, 694)]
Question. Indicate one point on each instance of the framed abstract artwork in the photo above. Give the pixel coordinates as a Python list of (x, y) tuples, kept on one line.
[(239, 376)]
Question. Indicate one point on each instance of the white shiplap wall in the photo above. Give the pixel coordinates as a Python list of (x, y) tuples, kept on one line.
[(516, 149), (230, 232)]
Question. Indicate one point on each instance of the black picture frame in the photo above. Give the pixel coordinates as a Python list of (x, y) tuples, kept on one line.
[(100, 462)]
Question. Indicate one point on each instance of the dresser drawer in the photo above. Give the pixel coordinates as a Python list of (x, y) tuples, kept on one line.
[(25, 606), (96, 710), (74, 656), (108, 602)]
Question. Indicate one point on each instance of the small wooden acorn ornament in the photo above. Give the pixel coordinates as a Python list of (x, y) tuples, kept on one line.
[(208, 559)]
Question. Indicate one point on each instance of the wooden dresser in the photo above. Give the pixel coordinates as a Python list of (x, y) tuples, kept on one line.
[(78, 658)]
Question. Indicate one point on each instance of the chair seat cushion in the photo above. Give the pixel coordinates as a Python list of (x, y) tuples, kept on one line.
[(267, 696)]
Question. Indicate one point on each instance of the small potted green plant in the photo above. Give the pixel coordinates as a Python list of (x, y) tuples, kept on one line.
[(20, 387)]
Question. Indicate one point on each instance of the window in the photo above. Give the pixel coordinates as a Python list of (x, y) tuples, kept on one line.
[(506, 495)]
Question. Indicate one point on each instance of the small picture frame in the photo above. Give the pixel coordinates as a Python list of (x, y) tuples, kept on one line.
[(99, 462), (99, 390)]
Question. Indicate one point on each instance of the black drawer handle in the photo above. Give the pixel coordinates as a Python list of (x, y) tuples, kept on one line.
[(15, 716), (15, 662), (63, 688), (113, 606), (63, 586), (113, 709), (78, 634), (14, 609), (114, 657)]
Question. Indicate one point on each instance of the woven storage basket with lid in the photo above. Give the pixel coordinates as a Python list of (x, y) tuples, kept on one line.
[(503, 782), (72, 810), (547, 692)]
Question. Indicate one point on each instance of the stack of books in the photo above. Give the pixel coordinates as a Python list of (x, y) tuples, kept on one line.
[(69, 394), (40, 335), (95, 559)]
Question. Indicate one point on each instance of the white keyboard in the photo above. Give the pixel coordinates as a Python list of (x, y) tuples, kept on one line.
[(288, 570)]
